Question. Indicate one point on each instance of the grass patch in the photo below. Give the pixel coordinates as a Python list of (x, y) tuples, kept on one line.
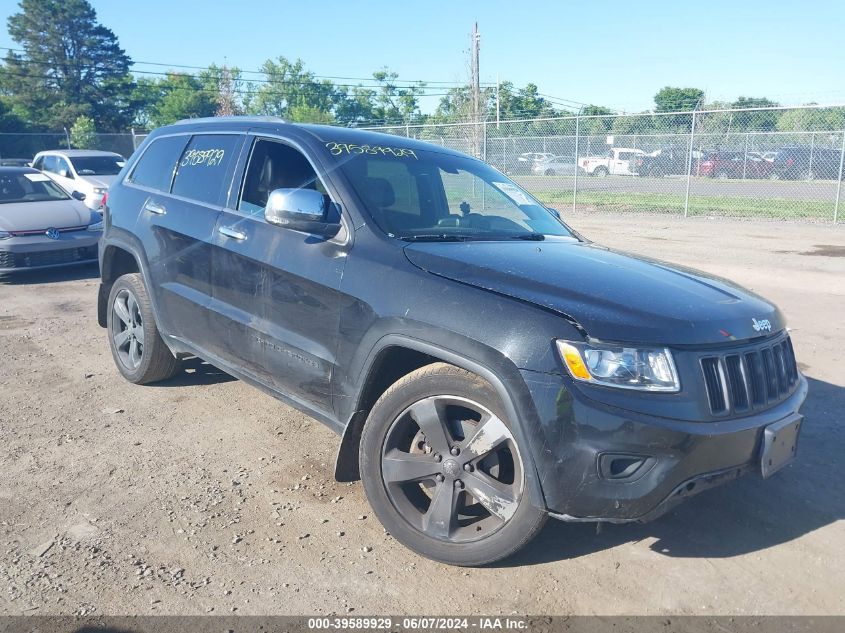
[(698, 205)]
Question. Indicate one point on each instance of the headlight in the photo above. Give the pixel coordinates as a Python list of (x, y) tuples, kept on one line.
[(97, 226), (642, 368), (100, 190), (5, 235)]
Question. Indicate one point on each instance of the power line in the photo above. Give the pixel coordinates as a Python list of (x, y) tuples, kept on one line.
[(410, 82)]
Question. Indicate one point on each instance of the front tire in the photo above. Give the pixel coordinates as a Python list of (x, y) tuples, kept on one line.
[(600, 172), (443, 470), (138, 350)]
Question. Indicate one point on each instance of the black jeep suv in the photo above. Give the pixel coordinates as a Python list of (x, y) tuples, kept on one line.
[(486, 366)]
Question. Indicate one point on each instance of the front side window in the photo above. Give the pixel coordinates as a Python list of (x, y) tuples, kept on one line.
[(98, 165), (158, 162), (62, 168), (202, 168), (29, 187), (274, 165), (421, 194), (51, 164)]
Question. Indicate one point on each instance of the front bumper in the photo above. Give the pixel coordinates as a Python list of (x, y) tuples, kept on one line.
[(679, 459), (34, 252)]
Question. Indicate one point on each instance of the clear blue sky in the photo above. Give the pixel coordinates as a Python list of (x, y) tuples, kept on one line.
[(617, 54)]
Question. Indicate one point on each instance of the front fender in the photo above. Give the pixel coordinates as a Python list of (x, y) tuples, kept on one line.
[(475, 357)]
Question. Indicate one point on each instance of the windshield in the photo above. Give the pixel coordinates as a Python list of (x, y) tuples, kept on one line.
[(29, 187), (420, 194), (98, 165)]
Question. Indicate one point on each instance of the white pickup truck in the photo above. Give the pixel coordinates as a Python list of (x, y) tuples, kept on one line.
[(618, 161)]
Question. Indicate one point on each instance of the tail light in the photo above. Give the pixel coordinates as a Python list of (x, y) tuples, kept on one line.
[(639, 162), (104, 201), (789, 162)]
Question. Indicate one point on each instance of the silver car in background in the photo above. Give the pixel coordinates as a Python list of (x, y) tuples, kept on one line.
[(555, 166), (41, 226)]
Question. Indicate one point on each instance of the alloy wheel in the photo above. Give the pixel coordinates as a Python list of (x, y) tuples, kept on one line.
[(452, 469), (127, 329)]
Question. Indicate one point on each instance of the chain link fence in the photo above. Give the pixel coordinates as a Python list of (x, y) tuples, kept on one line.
[(28, 144), (779, 163)]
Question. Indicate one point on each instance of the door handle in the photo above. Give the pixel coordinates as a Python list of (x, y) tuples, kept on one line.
[(154, 207), (235, 234)]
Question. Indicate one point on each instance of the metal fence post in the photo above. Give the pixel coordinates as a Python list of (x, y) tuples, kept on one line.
[(839, 180), (484, 141), (689, 162), (812, 147), (745, 155), (575, 182)]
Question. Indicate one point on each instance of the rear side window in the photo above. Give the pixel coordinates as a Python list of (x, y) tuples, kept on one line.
[(201, 172), (156, 166)]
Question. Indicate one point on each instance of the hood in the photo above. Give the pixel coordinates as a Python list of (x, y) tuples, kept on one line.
[(99, 181), (613, 296), (33, 216)]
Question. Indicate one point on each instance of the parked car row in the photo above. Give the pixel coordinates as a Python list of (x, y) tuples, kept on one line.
[(50, 211), (785, 163)]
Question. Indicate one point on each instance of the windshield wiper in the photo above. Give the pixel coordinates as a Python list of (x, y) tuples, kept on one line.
[(435, 237), (534, 237)]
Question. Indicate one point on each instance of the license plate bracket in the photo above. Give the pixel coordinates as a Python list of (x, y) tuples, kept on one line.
[(780, 443)]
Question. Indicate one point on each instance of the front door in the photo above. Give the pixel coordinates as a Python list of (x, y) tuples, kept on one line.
[(276, 297)]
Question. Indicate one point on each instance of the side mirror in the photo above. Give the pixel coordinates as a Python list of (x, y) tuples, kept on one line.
[(78, 195), (554, 212), (304, 210)]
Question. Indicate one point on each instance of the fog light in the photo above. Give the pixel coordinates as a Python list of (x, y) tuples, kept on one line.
[(620, 466)]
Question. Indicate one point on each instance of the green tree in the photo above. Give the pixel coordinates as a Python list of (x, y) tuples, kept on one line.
[(225, 85), (670, 99), (70, 66), (812, 119), (181, 97), (394, 104), (83, 133), (289, 85), (760, 121), (354, 104), (601, 124)]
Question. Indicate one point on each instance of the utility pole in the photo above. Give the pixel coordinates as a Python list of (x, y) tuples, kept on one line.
[(475, 87), (475, 81), (498, 105)]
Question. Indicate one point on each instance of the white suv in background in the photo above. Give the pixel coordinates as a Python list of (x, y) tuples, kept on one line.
[(83, 170)]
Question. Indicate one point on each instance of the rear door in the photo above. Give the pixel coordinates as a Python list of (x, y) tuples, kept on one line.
[(276, 297), (176, 223)]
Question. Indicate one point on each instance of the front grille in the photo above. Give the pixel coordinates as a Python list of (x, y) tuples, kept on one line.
[(69, 229), (739, 381), (47, 258)]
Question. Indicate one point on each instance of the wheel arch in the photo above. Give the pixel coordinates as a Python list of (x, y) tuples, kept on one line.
[(115, 262), (397, 355)]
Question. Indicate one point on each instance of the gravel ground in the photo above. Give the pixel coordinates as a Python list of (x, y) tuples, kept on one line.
[(202, 495)]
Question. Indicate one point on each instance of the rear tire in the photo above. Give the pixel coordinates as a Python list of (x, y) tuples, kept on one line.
[(138, 350), (600, 172), (443, 471)]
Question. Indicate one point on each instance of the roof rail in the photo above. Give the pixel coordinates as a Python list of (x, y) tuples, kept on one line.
[(236, 118)]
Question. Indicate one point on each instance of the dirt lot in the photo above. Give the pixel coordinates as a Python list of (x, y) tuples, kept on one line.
[(203, 495)]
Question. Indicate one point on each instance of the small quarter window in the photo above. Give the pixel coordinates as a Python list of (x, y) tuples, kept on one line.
[(202, 168), (157, 164)]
